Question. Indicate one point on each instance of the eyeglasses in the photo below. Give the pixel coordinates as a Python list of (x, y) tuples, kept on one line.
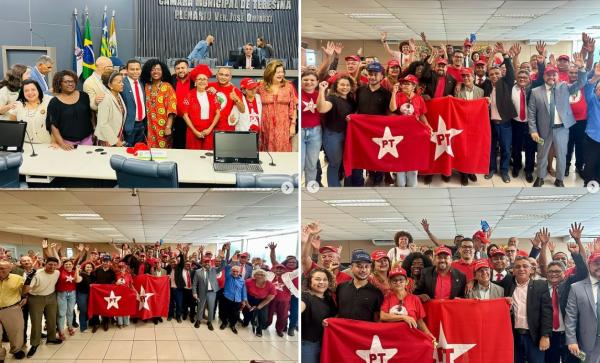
[(68, 81), (554, 272)]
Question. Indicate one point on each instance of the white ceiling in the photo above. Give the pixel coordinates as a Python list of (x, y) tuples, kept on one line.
[(150, 215), (451, 20), (452, 211)]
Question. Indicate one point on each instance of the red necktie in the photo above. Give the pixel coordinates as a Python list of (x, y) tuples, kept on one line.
[(522, 105), (138, 101), (480, 81), (498, 276), (555, 318), (189, 281)]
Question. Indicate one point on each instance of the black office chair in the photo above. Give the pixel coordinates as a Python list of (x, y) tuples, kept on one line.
[(133, 173), (9, 169), (248, 180)]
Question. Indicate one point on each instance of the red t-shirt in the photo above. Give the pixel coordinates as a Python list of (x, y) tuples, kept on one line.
[(259, 292), (454, 73), (181, 91), (578, 105), (221, 279), (66, 280), (411, 306), (465, 268), (283, 293), (413, 106), (124, 278), (440, 87), (226, 103), (443, 286), (563, 76), (310, 115)]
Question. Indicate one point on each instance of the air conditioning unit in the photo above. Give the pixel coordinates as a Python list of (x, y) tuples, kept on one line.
[(383, 242)]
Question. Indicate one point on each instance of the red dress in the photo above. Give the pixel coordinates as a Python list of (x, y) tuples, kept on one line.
[(191, 106), (277, 112)]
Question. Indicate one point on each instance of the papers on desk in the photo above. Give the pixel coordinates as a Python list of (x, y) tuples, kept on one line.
[(156, 154)]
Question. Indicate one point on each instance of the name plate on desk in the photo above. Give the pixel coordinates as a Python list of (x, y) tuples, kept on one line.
[(156, 154)]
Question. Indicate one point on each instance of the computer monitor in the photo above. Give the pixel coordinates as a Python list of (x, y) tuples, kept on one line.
[(12, 135), (236, 147)]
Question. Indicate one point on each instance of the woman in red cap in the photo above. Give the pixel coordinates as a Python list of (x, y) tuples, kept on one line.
[(201, 111), (380, 269), (392, 73), (279, 112), (249, 120), (408, 103), (400, 305)]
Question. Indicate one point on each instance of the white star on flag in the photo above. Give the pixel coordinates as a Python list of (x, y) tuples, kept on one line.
[(69, 278), (376, 353), (446, 352), (387, 143), (112, 300), (143, 297), (442, 139), (309, 106), (278, 285)]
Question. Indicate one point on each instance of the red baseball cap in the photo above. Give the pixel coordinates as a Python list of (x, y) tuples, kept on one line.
[(480, 63), (480, 264), (244, 254), (326, 249), (397, 272), (441, 61), (466, 71), (564, 57), (279, 266), (378, 255), (550, 69), (442, 249), (594, 257), (410, 78), (467, 43), (248, 83), (480, 235), (522, 253), (497, 251), (354, 58), (393, 63)]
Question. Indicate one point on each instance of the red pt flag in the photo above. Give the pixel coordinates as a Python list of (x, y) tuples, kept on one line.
[(471, 331), (354, 341), (461, 136), (111, 300), (386, 143), (152, 296)]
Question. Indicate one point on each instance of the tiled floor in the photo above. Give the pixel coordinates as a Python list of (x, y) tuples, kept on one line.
[(168, 342), (573, 180)]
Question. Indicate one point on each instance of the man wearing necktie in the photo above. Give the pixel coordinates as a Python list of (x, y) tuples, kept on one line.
[(550, 116), (582, 319)]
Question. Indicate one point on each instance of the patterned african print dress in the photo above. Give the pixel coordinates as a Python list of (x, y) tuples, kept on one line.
[(161, 101)]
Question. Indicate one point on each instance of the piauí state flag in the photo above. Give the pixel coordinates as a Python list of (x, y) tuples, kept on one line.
[(112, 37), (89, 62), (104, 50), (77, 49)]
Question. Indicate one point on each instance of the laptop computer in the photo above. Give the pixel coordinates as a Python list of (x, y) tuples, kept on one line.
[(236, 151), (12, 135)]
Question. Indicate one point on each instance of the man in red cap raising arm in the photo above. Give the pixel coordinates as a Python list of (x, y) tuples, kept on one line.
[(329, 256)]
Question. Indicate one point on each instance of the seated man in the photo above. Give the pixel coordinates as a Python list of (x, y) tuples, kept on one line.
[(248, 60)]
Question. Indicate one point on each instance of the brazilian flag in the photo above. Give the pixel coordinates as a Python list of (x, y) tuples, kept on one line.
[(89, 61)]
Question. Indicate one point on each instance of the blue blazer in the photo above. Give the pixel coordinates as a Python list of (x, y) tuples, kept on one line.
[(129, 98), (39, 78)]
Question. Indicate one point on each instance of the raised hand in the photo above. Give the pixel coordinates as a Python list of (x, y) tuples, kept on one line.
[(272, 245), (425, 225), (329, 49), (544, 235), (551, 246), (314, 228), (499, 48), (304, 234), (45, 243), (396, 88), (541, 47), (323, 86), (338, 47), (383, 36), (423, 37), (412, 44), (596, 245), (359, 51), (516, 49), (552, 60), (578, 60), (536, 241), (413, 247), (576, 230), (316, 243), (573, 248)]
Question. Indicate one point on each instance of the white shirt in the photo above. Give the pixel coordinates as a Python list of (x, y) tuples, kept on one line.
[(132, 84), (557, 120), (204, 106), (248, 62), (205, 275), (561, 322), (397, 255), (495, 273), (594, 288), (478, 79), (516, 99), (469, 93), (185, 273), (6, 97), (495, 115), (520, 306), (483, 292)]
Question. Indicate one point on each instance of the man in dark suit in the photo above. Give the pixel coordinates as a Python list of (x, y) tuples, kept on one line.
[(248, 60), (182, 84), (204, 289), (134, 127), (531, 312), (441, 281)]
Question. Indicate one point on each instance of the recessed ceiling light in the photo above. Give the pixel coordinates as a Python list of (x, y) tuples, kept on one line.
[(357, 202), (370, 16), (103, 228), (21, 228), (383, 220), (547, 198), (84, 218), (204, 216)]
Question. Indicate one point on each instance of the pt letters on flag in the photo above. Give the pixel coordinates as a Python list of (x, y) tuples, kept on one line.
[(148, 298), (354, 341), (461, 136), (386, 143), (470, 331)]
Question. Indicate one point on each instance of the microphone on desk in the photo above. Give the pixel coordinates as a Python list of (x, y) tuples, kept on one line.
[(149, 148), (33, 153), (271, 163)]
